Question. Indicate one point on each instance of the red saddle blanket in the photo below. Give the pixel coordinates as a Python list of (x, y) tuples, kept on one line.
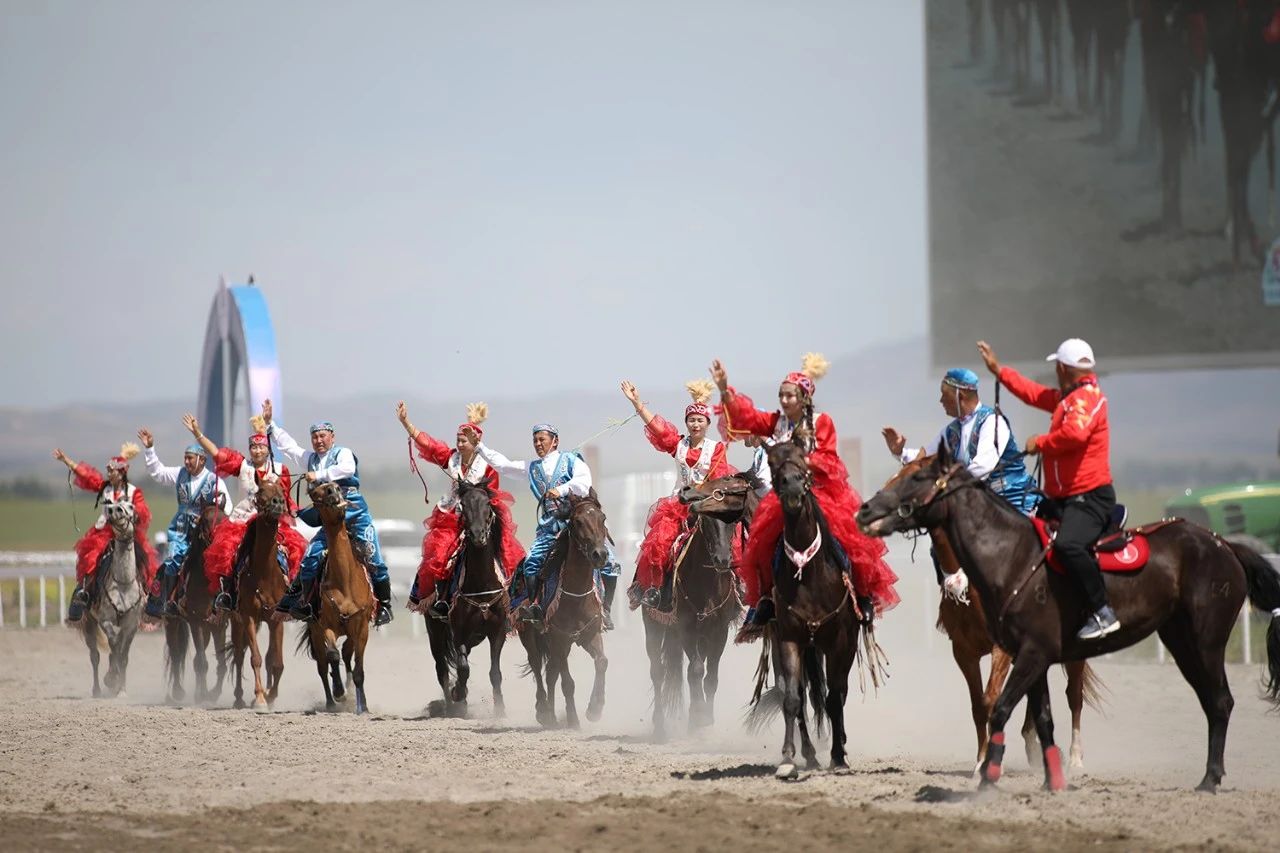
[(1123, 551)]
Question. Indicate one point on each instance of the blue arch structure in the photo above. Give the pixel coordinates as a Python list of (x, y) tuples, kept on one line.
[(239, 354)]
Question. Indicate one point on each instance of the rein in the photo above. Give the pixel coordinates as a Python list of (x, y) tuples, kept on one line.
[(413, 466)]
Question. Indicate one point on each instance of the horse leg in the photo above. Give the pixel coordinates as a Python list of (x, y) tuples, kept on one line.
[(595, 705), (653, 644), (177, 639), (199, 660), (1031, 666), (1200, 658), (275, 659), (1075, 701), (219, 635), (326, 657), (839, 664), (497, 639), (340, 687), (552, 663), (357, 674), (792, 706), (438, 641), (255, 661), (715, 643), (90, 634), (697, 669), (1039, 707), (971, 668), (560, 660), (126, 643), (459, 692), (239, 645)]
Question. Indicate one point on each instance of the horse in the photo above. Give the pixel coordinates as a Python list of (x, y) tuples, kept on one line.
[(195, 625), (1190, 592), (817, 625), (260, 586), (346, 604), (575, 614), (480, 608), (117, 606), (965, 623)]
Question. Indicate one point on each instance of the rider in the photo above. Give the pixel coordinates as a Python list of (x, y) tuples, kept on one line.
[(196, 487), (872, 578), (553, 478), (1077, 467), (113, 489), (444, 527), (223, 554), (329, 463), (698, 459)]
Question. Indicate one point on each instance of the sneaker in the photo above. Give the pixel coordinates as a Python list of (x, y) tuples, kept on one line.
[(1099, 625)]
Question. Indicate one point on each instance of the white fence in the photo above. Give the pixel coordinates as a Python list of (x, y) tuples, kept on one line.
[(31, 575)]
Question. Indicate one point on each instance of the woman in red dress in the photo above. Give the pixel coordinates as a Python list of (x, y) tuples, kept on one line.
[(114, 488), (873, 580), (698, 459), (444, 526)]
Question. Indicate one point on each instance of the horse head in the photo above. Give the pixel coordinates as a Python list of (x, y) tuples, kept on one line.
[(792, 479), (477, 511), (122, 517), (211, 515), (727, 499), (270, 501), (910, 499), (330, 502), (587, 527)]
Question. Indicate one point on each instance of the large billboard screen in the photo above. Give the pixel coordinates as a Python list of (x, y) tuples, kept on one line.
[(1100, 169)]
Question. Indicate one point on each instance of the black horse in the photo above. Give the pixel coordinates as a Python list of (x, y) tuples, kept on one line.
[(479, 610), (1190, 592)]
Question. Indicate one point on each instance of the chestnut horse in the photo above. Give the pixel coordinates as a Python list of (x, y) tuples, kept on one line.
[(575, 614), (259, 588), (346, 603), (196, 624), (479, 610), (1190, 592)]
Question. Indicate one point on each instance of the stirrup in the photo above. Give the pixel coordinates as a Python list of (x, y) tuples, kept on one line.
[(222, 601), (384, 614)]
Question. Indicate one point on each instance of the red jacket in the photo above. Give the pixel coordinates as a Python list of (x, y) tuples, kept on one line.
[(1077, 448)]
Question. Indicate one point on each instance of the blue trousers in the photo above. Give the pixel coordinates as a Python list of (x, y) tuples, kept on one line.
[(544, 538), (176, 550), (364, 540)]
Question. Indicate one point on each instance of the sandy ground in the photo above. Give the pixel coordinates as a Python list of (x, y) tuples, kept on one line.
[(80, 773)]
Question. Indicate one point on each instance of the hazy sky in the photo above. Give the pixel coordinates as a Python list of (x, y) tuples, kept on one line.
[(546, 195)]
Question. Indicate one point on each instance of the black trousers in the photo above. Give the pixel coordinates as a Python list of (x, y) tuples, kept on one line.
[(1083, 518)]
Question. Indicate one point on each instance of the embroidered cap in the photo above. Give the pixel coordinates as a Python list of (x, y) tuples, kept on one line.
[(813, 367), (547, 428), (961, 377), (195, 450), (320, 426), (128, 450), (700, 390)]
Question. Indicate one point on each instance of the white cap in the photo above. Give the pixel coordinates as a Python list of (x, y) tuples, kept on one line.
[(1074, 353)]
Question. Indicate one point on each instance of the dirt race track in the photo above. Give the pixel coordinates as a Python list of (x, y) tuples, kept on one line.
[(83, 774)]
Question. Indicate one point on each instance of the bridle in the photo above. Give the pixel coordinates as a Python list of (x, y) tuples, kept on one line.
[(937, 492)]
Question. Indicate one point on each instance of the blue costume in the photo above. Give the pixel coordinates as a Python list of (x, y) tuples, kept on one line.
[(193, 492)]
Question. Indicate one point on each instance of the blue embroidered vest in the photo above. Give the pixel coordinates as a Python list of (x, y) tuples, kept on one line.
[(192, 493), (1009, 479), (540, 483), (316, 462)]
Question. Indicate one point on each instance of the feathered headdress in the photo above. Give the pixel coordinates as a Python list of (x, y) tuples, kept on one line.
[(700, 390), (258, 425), (128, 450), (813, 366), (477, 413)]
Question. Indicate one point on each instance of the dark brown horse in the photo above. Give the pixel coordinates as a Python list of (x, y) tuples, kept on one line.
[(259, 588), (817, 625), (196, 626), (346, 603), (479, 610), (1190, 592), (575, 614), (704, 604)]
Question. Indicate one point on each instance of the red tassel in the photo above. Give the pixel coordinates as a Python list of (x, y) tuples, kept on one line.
[(1053, 769)]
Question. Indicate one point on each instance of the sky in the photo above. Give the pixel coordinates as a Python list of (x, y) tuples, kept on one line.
[(484, 198)]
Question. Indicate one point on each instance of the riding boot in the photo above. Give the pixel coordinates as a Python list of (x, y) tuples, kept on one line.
[(223, 600), (170, 597), (533, 613), (414, 598), (867, 607), (290, 597), (762, 614), (610, 587), (156, 597), (301, 608), (79, 603), (382, 590), (440, 607), (667, 593)]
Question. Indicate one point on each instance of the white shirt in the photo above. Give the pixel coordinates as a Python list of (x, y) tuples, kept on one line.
[(344, 464), (760, 470), (247, 506), (988, 453), (579, 486), (167, 475)]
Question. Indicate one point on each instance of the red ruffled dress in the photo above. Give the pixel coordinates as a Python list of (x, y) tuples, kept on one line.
[(97, 539), (220, 557), (836, 498), (444, 525), (668, 517)]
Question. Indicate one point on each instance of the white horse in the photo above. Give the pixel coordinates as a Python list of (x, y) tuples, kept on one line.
[(117, 609)]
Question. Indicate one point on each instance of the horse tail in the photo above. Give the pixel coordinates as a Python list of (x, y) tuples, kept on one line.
[(1264, 593), (817, 684), (672, 657), (766, 703), (177, 638), (304, 642), (1092, 688)]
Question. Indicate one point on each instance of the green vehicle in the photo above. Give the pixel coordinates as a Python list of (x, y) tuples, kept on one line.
[(1235, 508)]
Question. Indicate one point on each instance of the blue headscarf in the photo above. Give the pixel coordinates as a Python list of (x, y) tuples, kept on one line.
[(321, 425), (196, 449), (962, 378)]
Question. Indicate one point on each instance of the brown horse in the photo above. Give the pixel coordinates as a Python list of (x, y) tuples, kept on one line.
[(575, 614), (259, 588), (480, 608), (196, 626), (1190, 592), (346, 603), (817, 622)]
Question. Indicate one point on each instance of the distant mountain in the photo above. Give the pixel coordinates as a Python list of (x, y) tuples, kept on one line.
[(1167, 428)]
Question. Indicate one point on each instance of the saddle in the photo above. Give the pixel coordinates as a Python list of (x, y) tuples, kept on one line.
[(1119, 551)]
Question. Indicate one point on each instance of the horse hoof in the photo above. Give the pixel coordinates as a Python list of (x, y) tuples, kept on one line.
[(97, 692), (572, 723), (457, 695), (787, 770), (1207, 786), (238, 704), (259, 704), (594, 714)]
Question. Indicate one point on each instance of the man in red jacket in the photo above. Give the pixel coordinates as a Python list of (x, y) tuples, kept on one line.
[(1077, 469)]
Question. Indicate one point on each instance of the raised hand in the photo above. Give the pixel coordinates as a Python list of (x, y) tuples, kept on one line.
[(719, 376), (266, 410), (629, 391), (470, 438), (190, 422), (989, 357), (62, 457), (895, 440), (402, 412), (144, 435)]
